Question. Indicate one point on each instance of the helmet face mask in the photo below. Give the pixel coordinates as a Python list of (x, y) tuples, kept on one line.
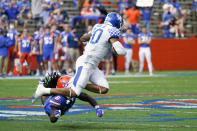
[(114, 19)]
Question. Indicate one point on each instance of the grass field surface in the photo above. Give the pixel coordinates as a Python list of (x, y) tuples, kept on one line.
[(166, 101)]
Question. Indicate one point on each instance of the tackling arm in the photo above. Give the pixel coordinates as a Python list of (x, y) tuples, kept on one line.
[(128, 42)]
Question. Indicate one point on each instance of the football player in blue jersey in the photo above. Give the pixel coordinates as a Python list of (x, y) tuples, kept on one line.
[(57, 105), (102, 38), (144, 39)]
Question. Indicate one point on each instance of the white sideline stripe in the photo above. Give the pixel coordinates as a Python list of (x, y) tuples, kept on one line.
[(111, 76), (118, 82), (23, 112)]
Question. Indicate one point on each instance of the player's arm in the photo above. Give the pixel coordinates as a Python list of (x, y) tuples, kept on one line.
[(41, 45), (55, 45), (85, 37), (117, 47), (16, 43), (149, 40), (36, 45), (44, 98), (85, 97), (139, 41), (19, 47), (31, 44), (128, 42)]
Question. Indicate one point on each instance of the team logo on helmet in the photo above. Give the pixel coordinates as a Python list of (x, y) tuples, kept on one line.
[(114, 19), (63, 81)]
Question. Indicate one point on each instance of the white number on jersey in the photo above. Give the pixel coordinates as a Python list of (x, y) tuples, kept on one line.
[(25, 43), (96, 36), (48, 40)]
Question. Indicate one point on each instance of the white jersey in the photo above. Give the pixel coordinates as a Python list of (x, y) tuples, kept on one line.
[(98, 45)]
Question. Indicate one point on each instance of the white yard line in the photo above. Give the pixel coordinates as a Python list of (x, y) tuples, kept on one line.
[(111, 76)]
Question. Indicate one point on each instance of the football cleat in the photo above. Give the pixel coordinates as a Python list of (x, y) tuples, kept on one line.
[(99, 112), (39, 92)]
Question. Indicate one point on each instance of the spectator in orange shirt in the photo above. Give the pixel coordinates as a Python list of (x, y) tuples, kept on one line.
[(88, 3), (133, 14)]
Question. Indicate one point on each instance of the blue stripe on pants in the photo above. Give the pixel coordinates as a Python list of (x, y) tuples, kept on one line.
[(77, 75)]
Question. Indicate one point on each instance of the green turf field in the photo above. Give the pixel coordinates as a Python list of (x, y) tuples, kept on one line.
[(167, 101)]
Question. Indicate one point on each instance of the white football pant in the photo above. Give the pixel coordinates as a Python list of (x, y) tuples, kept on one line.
[(145, 53), (87, 72), (128, 58)]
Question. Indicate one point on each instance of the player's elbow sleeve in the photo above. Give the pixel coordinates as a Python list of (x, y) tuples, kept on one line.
[(120, 50)]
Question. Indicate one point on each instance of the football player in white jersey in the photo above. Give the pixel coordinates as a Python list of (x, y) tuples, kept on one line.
[(144, 39), (101, 39)]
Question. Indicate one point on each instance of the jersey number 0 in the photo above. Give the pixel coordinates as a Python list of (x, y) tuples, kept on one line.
[(96, 36)]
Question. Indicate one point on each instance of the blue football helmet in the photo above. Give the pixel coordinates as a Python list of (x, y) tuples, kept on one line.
[(114, 19)]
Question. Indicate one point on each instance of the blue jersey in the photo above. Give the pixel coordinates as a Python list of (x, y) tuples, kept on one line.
[(58, 102), (25, 44), (11, 35), (64, 36), (48, 41), (145, 37), (129, 38), (37, 37)]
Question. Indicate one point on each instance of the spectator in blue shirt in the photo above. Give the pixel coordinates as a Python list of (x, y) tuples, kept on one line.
[(4, 4), (194, 3), (167, 15), (176, 5), (56, 7), (123, 5), (47, 7), (24, 7), (73, 46), (12, 13), (146, 16), (4, 44)]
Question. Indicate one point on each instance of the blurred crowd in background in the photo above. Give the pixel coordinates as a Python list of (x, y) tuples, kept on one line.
[(57, 44)]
